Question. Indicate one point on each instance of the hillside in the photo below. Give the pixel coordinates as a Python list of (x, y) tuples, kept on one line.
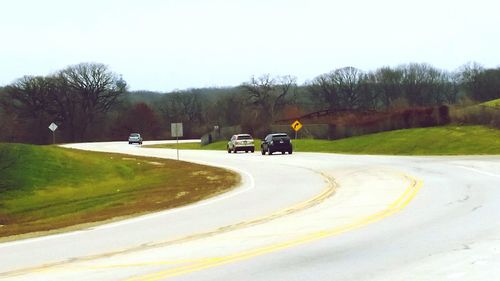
[(46, 187)]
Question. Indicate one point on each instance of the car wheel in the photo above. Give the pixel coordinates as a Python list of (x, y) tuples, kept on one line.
[(234, 150), (253, 150), (269, 151), (290, 151), (129, 142), (228, 150), (263, 151)]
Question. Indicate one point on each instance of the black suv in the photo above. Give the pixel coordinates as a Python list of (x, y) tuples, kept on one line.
[(276, 142)]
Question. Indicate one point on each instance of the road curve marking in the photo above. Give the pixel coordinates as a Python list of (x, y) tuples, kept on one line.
[(396, 206), (327, 192), (237, 191)]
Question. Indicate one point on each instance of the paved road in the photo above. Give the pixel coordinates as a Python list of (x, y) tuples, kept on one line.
[(306, 216)]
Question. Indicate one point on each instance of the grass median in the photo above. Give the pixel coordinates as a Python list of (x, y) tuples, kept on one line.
[(446, 140), (44, 188)]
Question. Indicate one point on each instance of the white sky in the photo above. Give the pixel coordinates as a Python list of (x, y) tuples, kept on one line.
[(177, 44)]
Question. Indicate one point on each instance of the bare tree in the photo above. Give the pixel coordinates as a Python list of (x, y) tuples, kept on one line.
[(269, 94), (29, 98), (30, 95), (422, 84), (182, 107), (228, 109), (480, 84), (348, 81), (340, 88), (186, 107), (85, 92), (324, 89), (468, 75), (388, 84)]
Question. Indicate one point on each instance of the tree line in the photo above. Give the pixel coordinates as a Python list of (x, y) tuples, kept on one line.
[(90, 102)]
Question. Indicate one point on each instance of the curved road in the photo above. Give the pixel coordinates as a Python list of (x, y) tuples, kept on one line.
[(306, 216)]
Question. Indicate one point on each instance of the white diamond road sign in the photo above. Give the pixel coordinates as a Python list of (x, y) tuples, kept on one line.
[(53, 127)]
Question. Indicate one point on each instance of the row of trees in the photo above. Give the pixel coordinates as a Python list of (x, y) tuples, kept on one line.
[(90, 102), (74, 98), (412, 84)]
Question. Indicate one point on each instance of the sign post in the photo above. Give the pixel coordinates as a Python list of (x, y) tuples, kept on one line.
[(176, 132), (296, 126), (53, 128)]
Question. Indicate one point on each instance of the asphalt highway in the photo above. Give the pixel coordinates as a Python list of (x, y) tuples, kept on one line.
[(305, 216)]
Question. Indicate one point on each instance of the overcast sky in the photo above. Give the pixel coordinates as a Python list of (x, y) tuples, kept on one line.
[(164, 45)]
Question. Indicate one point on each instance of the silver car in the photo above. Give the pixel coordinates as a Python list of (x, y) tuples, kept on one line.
[(135, 138), (240, 142)]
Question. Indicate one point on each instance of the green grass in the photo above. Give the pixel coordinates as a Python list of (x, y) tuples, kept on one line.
[(220, 145), (492, 103), (448, 140), (45, 187)]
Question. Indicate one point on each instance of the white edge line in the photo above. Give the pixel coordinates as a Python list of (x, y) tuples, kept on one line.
[(479, 171)]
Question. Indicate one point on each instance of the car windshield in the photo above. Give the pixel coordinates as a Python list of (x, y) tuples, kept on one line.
[(244, 137)]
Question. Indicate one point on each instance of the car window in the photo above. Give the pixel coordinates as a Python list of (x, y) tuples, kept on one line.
[(280, 137)]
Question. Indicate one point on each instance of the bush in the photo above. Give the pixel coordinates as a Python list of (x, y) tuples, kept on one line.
[(476, 115), (495, 120)]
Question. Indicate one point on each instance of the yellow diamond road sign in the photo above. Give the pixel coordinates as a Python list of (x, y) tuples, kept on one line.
[(296, 126)]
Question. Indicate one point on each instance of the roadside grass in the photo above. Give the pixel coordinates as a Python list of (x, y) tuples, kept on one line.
[(45, 187), (446, 140), (492, 103), (219, 145)]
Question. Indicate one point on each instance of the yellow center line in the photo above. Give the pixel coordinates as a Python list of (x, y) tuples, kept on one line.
[(394, 207), (328, 191)]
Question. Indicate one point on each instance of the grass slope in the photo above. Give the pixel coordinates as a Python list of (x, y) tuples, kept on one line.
[(46, 187), (448, 140), (492, 103)]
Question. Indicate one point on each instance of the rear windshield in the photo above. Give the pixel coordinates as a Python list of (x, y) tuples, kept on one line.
[(244, 137), (280, 137)]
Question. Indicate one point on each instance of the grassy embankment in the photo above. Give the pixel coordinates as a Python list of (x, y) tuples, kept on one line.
[(448, 140), (45, 188), (492, 103)]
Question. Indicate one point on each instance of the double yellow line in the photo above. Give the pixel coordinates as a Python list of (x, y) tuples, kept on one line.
[(318, 199), (394, 207)]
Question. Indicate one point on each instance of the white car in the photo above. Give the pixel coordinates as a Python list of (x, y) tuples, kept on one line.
[(241, 142), (135, 138)]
